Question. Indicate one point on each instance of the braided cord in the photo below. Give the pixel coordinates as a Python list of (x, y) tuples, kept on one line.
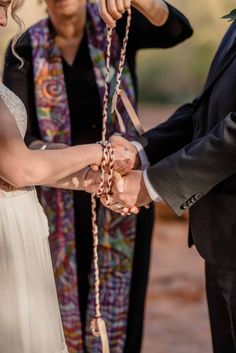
[(106, 93), (123, 55), (98, 326)]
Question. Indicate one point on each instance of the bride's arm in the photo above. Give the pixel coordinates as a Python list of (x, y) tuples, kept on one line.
[(86, 179), (20, 166)]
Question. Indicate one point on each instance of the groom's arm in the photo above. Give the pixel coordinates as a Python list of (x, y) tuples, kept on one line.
[(184, 177), (155, 145)]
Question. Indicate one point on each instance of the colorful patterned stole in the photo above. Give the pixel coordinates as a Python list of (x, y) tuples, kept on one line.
[(117, 234)]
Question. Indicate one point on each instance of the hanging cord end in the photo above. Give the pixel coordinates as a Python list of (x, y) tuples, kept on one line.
[(98, 328)]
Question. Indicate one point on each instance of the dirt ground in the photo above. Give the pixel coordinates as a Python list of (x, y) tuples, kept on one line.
[(176, 311)]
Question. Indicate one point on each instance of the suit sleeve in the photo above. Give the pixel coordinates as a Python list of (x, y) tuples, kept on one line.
[(144, 34), (21, 82), (170, 136), (184, 177)]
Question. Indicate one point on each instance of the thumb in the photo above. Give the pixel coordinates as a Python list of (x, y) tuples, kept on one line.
[(119, 182)]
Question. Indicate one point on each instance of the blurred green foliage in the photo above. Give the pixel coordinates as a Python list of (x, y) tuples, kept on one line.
[(167, 76), (178, 74)]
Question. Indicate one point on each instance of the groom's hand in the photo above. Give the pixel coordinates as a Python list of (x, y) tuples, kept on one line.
[(129, 193), (133, 159), (125, 155)]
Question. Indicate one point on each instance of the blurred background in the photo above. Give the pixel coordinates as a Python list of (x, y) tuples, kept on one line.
[(176, 313)]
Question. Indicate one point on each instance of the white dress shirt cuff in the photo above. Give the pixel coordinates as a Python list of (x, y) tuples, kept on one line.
[(152, 192), (142, 155)]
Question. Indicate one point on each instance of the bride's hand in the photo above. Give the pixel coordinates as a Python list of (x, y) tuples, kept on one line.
[(112, 10)]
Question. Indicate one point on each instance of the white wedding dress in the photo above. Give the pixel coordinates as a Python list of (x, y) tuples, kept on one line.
[(29, 313)]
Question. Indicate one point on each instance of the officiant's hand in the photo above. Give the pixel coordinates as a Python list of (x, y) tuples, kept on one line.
[(112, 10), (156, 11)]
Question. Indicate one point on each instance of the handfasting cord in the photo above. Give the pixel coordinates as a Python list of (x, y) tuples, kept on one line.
[(98, 325)]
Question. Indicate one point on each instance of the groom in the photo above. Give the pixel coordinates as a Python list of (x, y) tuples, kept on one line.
[(192, 160)]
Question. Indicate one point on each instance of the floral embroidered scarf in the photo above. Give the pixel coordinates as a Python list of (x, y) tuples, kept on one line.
[(116, 234)]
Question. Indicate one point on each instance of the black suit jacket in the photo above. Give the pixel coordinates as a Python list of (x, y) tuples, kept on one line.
[(193, 157)]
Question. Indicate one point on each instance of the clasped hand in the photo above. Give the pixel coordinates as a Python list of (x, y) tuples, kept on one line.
[(128, 192)]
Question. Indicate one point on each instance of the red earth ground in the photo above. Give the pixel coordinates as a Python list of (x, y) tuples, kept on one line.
[(176, 311)]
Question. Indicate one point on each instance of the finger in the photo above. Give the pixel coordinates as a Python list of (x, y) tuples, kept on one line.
[(112, 10), (125, 213), (120, 6), (127, 4), (115, 209), (94, 167), (105, 15), (121, 167), (134, 210), (119, 182), (147, 206), (125, 210), (103, 200)]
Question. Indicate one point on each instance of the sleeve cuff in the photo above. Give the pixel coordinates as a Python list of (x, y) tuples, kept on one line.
[(152, 192), (144, 162)]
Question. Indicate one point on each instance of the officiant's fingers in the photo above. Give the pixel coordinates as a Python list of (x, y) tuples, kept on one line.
[(127, 4), (112, 9), (107, 18), (120, 6)]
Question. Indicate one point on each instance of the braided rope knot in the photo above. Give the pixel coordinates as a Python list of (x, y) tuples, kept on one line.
[(107, 169)]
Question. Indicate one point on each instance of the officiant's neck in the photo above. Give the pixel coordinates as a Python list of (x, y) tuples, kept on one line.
[(70, 27)]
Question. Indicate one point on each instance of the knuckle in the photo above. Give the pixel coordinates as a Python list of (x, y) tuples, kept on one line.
[(114, 13)]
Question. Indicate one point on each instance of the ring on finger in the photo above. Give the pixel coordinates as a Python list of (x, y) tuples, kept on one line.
[(118, 205)]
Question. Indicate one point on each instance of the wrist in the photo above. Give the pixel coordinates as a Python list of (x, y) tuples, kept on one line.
[(137, 161), (37, 145), (85, 183), (98, 151), (146, 195), (156, 11)]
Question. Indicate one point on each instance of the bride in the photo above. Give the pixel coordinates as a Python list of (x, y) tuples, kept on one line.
[(29, 313)]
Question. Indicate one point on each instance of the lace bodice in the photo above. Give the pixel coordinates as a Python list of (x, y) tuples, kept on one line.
[(17, 109)]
